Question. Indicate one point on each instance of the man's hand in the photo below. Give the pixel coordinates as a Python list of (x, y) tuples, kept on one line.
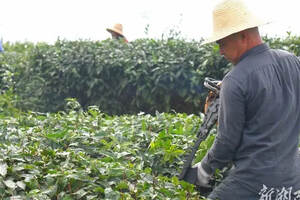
[(202, 176), (210, 97)]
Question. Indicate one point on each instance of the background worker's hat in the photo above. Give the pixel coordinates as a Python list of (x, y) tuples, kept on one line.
[(117, 28), (232, 16)]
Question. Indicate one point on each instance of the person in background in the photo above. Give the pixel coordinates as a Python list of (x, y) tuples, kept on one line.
[(117, 32), (259, 115), (1, 46)]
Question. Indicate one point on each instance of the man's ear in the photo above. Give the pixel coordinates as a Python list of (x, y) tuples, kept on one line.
[(244, 35)]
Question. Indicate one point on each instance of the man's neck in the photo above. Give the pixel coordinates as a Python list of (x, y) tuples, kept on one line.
[(250, 43), (253, 44)]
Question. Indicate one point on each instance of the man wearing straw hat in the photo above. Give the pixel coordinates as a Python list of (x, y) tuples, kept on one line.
[(259, 116), (117, 32)]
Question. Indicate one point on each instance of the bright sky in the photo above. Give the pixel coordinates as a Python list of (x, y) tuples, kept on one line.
[(46, 20)]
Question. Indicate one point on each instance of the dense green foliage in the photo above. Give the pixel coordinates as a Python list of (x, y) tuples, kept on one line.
[(12, 61), (91, 155), (290, 43), (144, 75), (86, 153)]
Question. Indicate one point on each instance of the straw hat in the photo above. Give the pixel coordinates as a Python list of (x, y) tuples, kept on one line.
[(232, 16), (117, 28)]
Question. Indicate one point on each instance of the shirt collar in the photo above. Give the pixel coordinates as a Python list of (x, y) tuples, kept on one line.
[(255, 50)]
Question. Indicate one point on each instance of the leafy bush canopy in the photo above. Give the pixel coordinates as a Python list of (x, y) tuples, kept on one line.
[(144, 75), (89, 155), (85, 153)]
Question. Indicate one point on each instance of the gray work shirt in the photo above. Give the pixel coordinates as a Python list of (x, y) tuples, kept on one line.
[(259, 121)]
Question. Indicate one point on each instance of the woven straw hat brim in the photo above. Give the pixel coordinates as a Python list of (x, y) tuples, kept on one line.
[(232, 16), (115, 30), (221, 35)]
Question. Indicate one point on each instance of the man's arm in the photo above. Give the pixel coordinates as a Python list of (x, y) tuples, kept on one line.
[(231, 123)]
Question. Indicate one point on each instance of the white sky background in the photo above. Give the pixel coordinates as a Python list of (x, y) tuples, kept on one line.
[(46, 20)]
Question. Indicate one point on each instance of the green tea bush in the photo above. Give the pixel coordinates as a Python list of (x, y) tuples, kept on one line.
[(289, 43), (90, 155), (145, 75), (12, 61)]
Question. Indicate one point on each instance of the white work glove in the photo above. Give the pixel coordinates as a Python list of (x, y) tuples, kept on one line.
[(202, 176)]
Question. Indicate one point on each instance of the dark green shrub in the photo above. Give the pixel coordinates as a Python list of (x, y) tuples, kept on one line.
[(12, 61), (289, 43), (145, 75)]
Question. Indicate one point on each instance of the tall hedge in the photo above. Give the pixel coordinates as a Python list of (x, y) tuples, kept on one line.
[(143, 75), (15, 58)]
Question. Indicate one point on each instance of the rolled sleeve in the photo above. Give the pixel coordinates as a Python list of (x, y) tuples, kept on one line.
[(231, 122)]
